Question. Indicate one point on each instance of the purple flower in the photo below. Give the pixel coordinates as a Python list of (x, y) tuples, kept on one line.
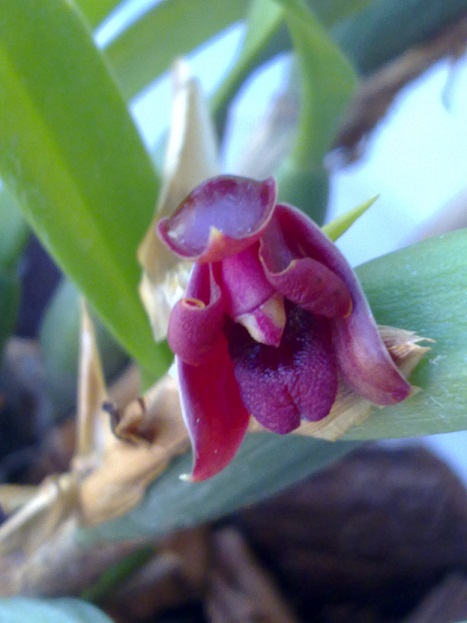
[(273, 317)]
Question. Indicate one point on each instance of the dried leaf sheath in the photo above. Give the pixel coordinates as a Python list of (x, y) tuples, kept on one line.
[(191, 158)]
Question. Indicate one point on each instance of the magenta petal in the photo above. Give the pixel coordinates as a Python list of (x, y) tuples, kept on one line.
[(213, 410), (281, 385), (244, 283), (196, 321), (220, 217), (361, 353)]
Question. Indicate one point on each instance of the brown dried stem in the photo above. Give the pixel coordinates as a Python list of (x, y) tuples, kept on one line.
[(376, 94)]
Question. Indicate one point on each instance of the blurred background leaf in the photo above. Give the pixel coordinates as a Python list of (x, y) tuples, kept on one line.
[(387, 28), (423, 288), (264, 465), (13, 236), (326, 83), (21, 609), (96, 11), (59, 340), (71, 155), (166, 31)]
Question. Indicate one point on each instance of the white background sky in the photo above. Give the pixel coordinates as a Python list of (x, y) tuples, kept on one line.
[(416, 160)]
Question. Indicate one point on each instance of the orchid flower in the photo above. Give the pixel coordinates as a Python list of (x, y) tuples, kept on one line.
[(272, 320)]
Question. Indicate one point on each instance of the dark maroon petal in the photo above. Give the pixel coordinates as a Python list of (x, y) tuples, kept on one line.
[(220, 217), (361, 353), (213, 410), (196, 321), (281, 385), (310, 284)]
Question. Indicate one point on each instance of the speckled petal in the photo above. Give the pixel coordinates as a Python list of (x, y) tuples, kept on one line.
[(197, 320), (296, 380), (219, 218), (362, 356), (213, 411)]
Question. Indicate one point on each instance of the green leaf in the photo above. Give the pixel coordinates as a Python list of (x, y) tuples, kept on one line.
[(72, 156), (97, 10), (9, 304), (115, 575), (13, 230), (326, 84), (67, 610), (424, 289), (327, 81), (341, 224), (387, 28), (169, 30), (264, 465), (263, 38), (59, 339), (330, 12), (13, 236), (308, 189), (266, 36)]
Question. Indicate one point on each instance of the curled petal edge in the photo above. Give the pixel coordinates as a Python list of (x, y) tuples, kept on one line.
[(197, 320), (313, 286), (219, 218)]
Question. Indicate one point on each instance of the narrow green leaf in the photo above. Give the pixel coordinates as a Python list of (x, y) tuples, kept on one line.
[(9, 304), (387, 28), (327, 81), (264, 465), (424, 289), (97, 10), (266, 37), (169, 30), (341, 224), (308, 189), (67, 610), (116, 574), (330, 12), (59, 339), (263, 38), (72, 156), (13, 229), (13, 236)]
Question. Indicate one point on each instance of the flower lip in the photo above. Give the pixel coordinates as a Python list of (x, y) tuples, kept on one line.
[(221, 217)]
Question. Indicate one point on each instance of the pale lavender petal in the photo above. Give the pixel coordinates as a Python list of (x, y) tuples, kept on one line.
[(220, 217), (362, 356), (213, 411), (280, 386)]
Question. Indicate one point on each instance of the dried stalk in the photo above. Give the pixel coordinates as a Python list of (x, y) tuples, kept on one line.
[(376, 94)]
